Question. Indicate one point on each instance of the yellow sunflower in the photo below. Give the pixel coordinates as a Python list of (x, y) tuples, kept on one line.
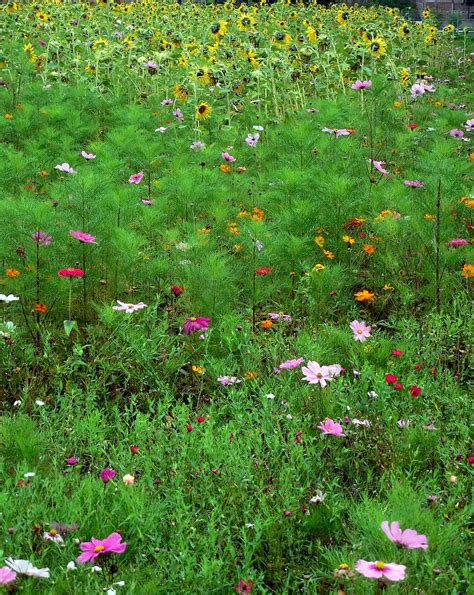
[(378, 47), (203, 111)]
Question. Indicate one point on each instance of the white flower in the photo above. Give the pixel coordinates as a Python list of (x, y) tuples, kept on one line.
[(258, 245), (29, 474), (96, 569), (318, 498), (183, 246), (270, 396), (361, 422), (111, 591), (17, 404), (289, 416), (53, 537), (372, 394), (39, 403), (120, 584), (249, 525), (161, 129), (71, 565), (8, 298), (259, 128), (26, 568)]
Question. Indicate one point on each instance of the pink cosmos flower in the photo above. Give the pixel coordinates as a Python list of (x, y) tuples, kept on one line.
[(71, 461), (129, 308), (107, 474), (65, 167), (151, 65), (228, 157), (359, 85), (469, 125), (88, 156), (457, 243), (178, 114), (360, 329), (41, 238), (6, 575), (337, 131), (456, 133), (161, 129), (228, 380), (82, 236), (408, 539), (330, 427), (378, 166), (380, 570), (291, 364), (252, 139), (167, 102), (147, 201), (197, 144), (135, 178), (316, 374), (413, 183), (192, 325), (97, 547)]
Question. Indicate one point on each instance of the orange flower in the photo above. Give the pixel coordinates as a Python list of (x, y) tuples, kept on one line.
[(328, 254), (8, 117), (369, 248), (40, 308), (266, 324), (225, 168), (12, 273), (438, 103), (250, 375), (467, 271), (364, 296), (43, 173), (471, 157), (257, 214), (397, 104)]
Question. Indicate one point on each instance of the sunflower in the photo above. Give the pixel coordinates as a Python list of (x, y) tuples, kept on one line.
[(203, 111), (12, 7), (405, 77), (182, 60), (42, 16), (201, 75), (281, 39), (404, 31), (342, 17), (449, 29), (245, 22), (99, 44), (426, 14), (378, 47), (219, 28), (180, 93), (252, 57)]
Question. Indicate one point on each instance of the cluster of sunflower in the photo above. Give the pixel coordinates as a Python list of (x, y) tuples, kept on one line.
[(232, 50)]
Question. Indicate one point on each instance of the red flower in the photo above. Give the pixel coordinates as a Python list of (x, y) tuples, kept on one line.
[(362, 235), (470, 460), (286, 513), (417, 366), (263, 271), (189, 428), (397, 353), (298, 437), (415, 390), (390, 378), (134, 449), (412, 126), (243, 586), (71, 272), (231, 436), (398, 386), (200, 419), (177, 290)]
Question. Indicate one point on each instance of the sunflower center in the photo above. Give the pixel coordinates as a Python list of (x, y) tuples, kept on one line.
[(101, 548), (379, 565)]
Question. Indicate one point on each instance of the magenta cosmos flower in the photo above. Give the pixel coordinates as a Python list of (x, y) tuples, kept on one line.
[(228, 157), (457, 243), (291, 364), (6, 575), (360, 329), (413, 183), (469, 125), (408, 539), (191, 325), (330, 427), (359, 85), (378, 166), (70, 272), (135, 178), (107, 474), (41, 238), (391, 571), (96, 547), (82, 236)]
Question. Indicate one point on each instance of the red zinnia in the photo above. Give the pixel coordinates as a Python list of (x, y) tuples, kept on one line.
[(200, 419), (71, 272), (263, 271), (134, 449), (390, 378), (189, 428), (177, 289), (415, 390), (243, 586), (398, 386), (397, 353), (412, 126)]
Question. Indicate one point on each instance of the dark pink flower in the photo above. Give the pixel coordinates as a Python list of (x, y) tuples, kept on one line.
[(82, 236), (107, 474), (192, 325), (41, 238), (96, 547), (72, 461), (243, 586), (70, 272), (136, 178)]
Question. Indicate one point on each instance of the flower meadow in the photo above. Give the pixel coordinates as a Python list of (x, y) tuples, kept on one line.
[(235, 299)]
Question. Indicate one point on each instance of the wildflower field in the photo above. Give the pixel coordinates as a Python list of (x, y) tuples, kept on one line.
[(235, 302)]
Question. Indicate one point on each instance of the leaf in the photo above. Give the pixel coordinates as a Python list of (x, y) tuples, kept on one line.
[(69, 326)]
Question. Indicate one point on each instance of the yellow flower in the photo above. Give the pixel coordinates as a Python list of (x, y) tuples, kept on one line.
[(318, 267), (8, 117), (387, 287), (429, 217), (198, 369), (250, 375), (378, 47), (219, 28), (180, 93), (319, 241), (364, 296), (348, 240), (397, 104), (28, 47), (328, 254), (203, 111)]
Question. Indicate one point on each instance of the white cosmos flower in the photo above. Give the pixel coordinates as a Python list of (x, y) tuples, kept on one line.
[(39, 403), (25, 567), (71, 565), (8, 298), (29, 474)]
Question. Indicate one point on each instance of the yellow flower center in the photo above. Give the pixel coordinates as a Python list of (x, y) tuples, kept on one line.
[(101, 548), (53, 532), (359, 332), (379, 565)]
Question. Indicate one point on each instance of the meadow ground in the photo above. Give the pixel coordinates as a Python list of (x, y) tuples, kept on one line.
[(235, 300)]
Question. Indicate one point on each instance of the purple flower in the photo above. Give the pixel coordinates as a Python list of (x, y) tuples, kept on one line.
[(456, 133), (413, 183), (228, 157), (252, 139), (378, 166), (82, 236), (359, 85), (337, 131), (72, 461), (41, 238), (469, 125), (151, 65), (291, 364), (167, 102), (197, 144), (178, 114), (107, 474), (457, 243), (192, 325), (135, 178), (65, 167), (228, 380)]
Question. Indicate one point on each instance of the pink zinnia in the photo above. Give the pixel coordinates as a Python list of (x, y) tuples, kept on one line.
[(107, 474), (378, 166), (457, 243), (413, 183), (228, 157), (360, 329), (408, 539), (330, 427), (359, 85), (391, 571), (6, 575), (291, 364), (70, 272), (135, 178), (82, 236), (192, 325), (97, 547)]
